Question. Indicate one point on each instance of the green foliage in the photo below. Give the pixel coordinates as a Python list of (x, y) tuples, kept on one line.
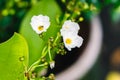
[(45, 7), (13, 58), (116, 14), (112, 1)]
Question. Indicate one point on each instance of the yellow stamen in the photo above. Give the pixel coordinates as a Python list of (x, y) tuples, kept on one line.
[(68, 41), (40, 28)]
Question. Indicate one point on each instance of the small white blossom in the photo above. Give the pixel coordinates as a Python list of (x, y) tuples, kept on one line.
[(70, 26), (40, 23), (52, 64), (72, 41), (70, 35)]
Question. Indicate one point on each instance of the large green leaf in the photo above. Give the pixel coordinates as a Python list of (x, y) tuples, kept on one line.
[(13, 58), (45, 7)]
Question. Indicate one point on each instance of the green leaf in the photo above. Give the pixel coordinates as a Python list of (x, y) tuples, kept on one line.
[(44, 7), (13, 58)]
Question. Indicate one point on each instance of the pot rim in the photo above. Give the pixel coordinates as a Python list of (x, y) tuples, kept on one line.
[(89, 55)]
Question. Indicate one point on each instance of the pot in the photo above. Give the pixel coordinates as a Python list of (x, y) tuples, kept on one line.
[(87, 59)]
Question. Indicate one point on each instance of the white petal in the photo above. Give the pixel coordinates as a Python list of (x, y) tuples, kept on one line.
[(79, 41), (52, 64), (69, 49), (70, 26)]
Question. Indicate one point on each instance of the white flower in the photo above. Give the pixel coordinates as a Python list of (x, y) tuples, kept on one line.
[(70, 35), (52, 64), (70, 26), (40, 23), (72, 41)]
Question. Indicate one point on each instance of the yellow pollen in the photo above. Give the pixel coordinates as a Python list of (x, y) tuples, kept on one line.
[(40, 28), (66, 27), (68, 41)]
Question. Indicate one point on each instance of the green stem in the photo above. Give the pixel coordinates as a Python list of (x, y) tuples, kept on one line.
[(49, 51), (66, 16), (58, 35), (41, 65), (35, 63), (44, 54), (74, 13), (44, 51)]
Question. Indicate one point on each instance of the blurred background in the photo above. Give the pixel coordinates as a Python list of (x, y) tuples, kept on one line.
[(107, 66)]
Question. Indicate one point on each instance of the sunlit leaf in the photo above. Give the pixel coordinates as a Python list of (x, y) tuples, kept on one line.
[(13, 58)]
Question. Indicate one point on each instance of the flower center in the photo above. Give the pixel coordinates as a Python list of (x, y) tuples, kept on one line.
[(40, 28), (66, 27), (68, 41)]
